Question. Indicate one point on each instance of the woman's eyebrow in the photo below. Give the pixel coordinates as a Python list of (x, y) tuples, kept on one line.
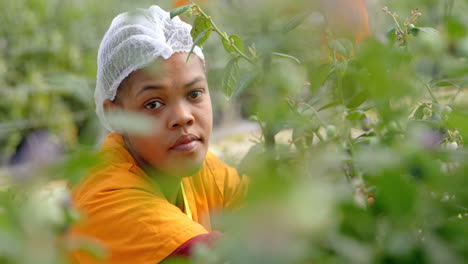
[(149, 87), (194, 81)]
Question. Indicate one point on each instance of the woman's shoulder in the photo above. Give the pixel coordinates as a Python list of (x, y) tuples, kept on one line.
[(110, 178)]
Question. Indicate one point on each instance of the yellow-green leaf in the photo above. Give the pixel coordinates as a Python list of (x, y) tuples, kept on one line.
[(201, 24), (231, 76)]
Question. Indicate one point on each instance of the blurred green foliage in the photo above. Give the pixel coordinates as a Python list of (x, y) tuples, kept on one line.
[(374, 170), (48, 53), (381, 121)]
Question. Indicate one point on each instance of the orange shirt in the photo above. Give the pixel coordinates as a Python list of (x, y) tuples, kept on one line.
[(127, 213)]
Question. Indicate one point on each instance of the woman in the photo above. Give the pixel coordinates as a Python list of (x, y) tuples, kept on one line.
[(155, 194)]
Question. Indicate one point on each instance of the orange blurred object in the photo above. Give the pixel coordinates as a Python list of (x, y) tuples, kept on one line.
[(345, 19), (177, 3)]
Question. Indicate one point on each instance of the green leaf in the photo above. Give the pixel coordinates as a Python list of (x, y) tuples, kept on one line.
[(428, 123), (234, 40), (237, 42), (342, 46), (319, 75), (457, 119), (76, 165), (336, 46), (316, 98), (302, 138), (227, 46), (329, 105), (287, 56), (357, 100), (391, 36), (131, 122), (414, 31), (231, 76), (180, 10), (456, 28), (428, 30), (356, 115), (363, 139), (201, 24), (198, 39), (348, 45), (295, 22), (419, 113), (245, 81), (366, 134), (427, 33), (444, 83), (251, 161)]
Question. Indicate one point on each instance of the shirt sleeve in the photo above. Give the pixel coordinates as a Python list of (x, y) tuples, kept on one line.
[(185, 250), (135, 226)]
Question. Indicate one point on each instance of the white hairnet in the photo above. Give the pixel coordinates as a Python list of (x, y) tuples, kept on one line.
[(133, 41)]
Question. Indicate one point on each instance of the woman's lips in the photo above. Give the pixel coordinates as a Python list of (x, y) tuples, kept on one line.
[(186, 143), (187, 147)]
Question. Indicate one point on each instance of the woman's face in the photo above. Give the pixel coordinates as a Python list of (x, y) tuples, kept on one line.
[(175, 95)]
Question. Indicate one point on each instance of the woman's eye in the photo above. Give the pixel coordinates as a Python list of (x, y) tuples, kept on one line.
[(153, 105), (195, 94)]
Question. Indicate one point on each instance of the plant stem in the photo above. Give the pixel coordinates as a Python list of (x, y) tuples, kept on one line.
[(430, 92), (222, 34), (269, 138), (455, 96), (322, 123), (317, 115), (397, 25)]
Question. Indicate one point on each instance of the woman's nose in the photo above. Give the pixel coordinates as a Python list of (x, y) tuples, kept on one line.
[(180, 116)]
